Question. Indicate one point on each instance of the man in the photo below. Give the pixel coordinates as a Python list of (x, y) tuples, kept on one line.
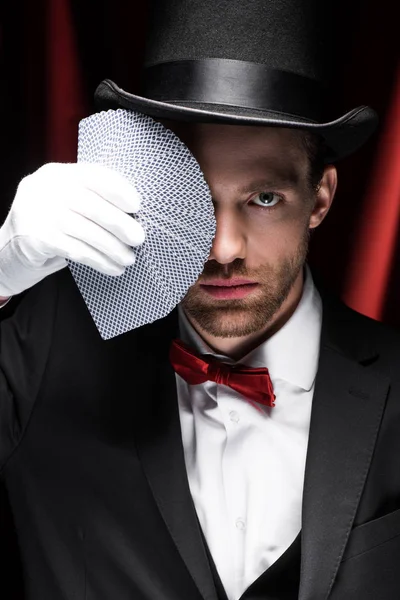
[(127, 476)]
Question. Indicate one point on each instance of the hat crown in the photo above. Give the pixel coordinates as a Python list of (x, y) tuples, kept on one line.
[(289, 35), (264, 62)]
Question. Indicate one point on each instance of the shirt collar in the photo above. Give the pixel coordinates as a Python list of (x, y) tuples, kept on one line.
[(292, 353)]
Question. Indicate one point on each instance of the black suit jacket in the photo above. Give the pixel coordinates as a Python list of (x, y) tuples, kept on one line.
[(92, 461)]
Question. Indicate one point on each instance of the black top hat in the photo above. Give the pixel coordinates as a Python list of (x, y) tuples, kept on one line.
[(254, 62)]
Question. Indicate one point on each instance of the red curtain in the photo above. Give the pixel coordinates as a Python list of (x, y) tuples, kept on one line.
[(55, 52), (64, 91), (357, 249), (368, 278)]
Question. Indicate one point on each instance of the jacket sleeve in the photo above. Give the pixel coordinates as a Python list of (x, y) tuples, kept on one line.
[(26, 327)]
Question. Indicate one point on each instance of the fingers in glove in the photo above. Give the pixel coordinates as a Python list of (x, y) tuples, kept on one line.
[(81, 252), (79, 227), (110, 218), (110, 185)]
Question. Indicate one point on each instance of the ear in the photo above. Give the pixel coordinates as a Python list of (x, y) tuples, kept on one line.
[(324, 196)]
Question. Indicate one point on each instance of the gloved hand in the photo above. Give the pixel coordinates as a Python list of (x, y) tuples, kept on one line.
[(76, 211)]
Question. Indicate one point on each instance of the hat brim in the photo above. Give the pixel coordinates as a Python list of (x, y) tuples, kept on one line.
[(342, 136)]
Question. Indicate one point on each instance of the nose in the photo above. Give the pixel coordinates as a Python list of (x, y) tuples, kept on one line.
[(230, 240)]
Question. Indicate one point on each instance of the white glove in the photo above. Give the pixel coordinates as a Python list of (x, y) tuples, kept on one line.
[(76, 211)]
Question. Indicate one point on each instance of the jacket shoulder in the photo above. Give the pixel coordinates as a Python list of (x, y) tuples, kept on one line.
[(360, 335)]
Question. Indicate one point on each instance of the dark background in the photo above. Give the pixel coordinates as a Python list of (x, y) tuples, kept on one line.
[(53, 54)]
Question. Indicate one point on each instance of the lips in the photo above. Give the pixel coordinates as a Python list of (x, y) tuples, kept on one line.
[(235, 281), (229, 288)]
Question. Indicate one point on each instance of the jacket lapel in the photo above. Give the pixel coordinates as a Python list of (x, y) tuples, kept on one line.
[(348, 404), (159, 445)]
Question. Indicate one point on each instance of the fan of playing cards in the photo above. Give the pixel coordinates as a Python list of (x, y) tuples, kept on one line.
[(176, 213)]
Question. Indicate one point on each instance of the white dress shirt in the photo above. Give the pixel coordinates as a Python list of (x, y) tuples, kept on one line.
[(245, 462)]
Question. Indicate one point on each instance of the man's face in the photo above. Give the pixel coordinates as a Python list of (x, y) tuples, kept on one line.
[(264, 208)]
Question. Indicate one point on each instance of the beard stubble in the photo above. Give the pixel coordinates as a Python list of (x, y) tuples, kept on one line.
[(242, 317)]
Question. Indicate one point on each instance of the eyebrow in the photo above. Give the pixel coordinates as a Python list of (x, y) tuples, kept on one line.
[(287, 181)]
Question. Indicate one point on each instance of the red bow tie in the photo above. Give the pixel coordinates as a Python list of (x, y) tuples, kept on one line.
[(253, 383)]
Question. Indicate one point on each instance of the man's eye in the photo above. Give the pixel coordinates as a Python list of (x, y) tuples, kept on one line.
[(266, 199)]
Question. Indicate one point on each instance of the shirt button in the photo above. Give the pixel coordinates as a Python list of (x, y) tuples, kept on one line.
[(234, 416), (240, 524)]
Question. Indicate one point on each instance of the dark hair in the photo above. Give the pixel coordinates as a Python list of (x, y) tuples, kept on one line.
[(316, 150)]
